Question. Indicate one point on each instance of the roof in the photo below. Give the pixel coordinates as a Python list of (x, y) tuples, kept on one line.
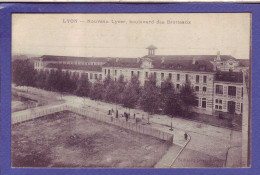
[(151, 47), (76, 67), (185, 65), (71, 58), (244, 62), (123, 62), (190, 57), (235, 77)]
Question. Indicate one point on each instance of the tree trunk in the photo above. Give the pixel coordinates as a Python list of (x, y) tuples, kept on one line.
[(171, 124)]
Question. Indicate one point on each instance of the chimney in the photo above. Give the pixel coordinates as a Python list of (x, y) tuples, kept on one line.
[(163, 59), (193, 60), (218, 56)]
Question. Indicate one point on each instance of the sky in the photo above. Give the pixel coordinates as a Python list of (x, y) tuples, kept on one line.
[(84, 35)]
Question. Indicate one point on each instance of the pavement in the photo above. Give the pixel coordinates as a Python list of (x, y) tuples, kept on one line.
[(206, 140)]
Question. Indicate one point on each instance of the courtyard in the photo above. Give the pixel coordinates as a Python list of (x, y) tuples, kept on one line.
[(66, 139)]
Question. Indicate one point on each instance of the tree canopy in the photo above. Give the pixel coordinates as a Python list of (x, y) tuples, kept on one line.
[(150, 100)]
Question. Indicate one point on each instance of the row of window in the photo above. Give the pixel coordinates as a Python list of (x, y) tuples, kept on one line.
[(198, 79), (197, 89), (82, 63), (203, 103), (162, 75), (37, 64), (232, 90), (91, 75)]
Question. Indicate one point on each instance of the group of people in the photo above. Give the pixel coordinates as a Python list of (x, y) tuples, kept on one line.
[(126, 115)]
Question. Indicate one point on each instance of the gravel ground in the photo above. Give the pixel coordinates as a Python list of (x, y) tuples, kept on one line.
[(69, 140)]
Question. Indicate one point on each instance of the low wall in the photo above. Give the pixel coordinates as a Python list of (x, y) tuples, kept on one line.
[(142, 129), (35, 113), (122, 123)]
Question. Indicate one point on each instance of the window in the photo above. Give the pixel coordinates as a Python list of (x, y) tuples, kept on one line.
[(178, 77), (154, 74), (115, 72), (242, 92), (170, 76), (197, 78), (100, 76), (197, 103), (219, 89), (132, 73), (241, 107), (177, 86), (162, 75), (197, 88), (96, 76), (105, 71), (186, 77), (218, 104), (120, 72), (204, 103), (138, 73), (204, 79), (108, 71), (232, 90), (204, 89), (146, 74), (91, 75)]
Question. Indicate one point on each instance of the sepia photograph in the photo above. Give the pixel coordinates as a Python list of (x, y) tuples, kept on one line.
[(139, 90)]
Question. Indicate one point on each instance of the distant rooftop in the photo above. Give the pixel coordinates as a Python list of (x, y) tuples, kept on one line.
[(71, 58), (123, 62)]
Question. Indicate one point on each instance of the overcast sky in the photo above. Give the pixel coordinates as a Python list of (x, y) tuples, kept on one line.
[(204, 34)]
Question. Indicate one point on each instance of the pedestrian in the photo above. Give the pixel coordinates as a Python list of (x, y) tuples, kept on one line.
[(134, 115), (116, 113), (185, 136)]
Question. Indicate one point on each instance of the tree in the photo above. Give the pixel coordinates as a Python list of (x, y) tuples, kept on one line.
[(107, 81), (173, 105), (69, 84), (188, 97), (84, 87), (111, 92), (41, 79), (167, 89), (120, 87), (97, 91), (150, 100), (23, 73), (131, 93)]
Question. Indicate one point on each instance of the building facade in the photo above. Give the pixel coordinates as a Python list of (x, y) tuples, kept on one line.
[(217, 79)]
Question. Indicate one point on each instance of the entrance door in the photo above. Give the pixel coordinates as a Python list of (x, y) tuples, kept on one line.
[(231, 107)]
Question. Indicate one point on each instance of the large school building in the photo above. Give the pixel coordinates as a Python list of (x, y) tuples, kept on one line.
[(217, 79)]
